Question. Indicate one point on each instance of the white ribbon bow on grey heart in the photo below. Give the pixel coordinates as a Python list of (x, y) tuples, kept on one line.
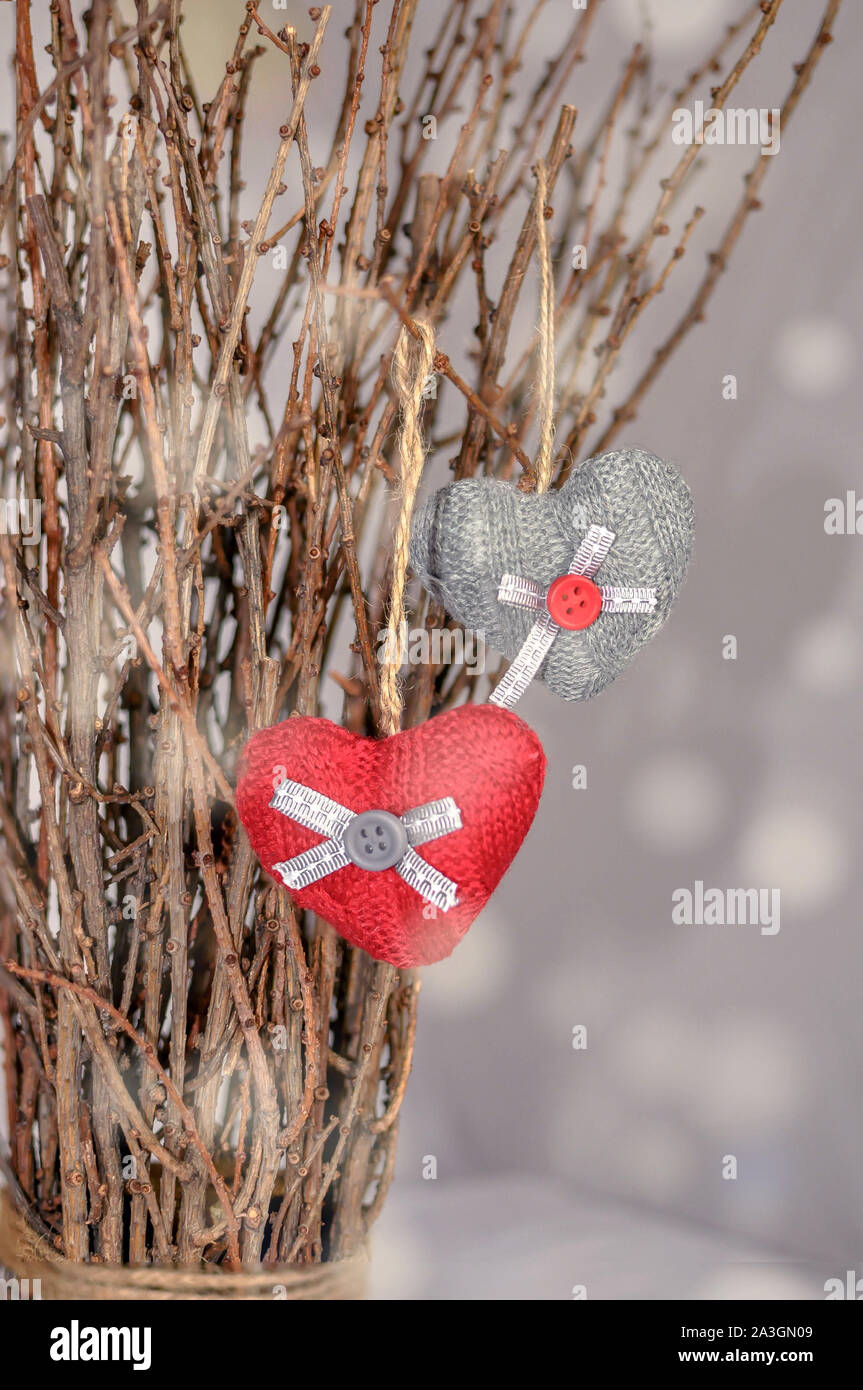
[(526, 593), (389, 840)]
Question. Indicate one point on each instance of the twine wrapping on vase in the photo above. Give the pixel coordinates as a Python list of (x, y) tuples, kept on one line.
[(29, 1255)]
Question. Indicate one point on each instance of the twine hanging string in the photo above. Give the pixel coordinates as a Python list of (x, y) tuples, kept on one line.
[(30, 1256), (412, 365), (545, 383)]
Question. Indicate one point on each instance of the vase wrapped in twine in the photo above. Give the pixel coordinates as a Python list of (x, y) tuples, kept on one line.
[(28, 1255)]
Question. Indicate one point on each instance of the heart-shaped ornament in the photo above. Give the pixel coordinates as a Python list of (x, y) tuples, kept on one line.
[(398, 843), (569, 584)]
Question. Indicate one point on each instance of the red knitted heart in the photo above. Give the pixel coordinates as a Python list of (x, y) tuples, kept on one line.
[(485, 758)]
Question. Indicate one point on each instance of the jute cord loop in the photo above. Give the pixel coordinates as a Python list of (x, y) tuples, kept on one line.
[(545, 383), (412, 364)]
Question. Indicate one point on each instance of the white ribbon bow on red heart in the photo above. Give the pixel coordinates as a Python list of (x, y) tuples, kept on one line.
[(317, 812)]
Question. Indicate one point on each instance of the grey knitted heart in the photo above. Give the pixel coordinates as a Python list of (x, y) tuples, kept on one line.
[(472, 533)]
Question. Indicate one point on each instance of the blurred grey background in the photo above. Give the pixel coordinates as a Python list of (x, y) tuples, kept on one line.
[(529, 1169)]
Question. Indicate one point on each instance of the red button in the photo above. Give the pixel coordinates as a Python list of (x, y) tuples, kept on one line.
[(573, 601)]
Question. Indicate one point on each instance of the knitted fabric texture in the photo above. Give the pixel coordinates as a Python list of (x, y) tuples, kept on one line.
[(470, 533), (486, 758)]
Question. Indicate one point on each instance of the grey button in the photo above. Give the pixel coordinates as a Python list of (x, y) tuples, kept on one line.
[(375, 840)]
